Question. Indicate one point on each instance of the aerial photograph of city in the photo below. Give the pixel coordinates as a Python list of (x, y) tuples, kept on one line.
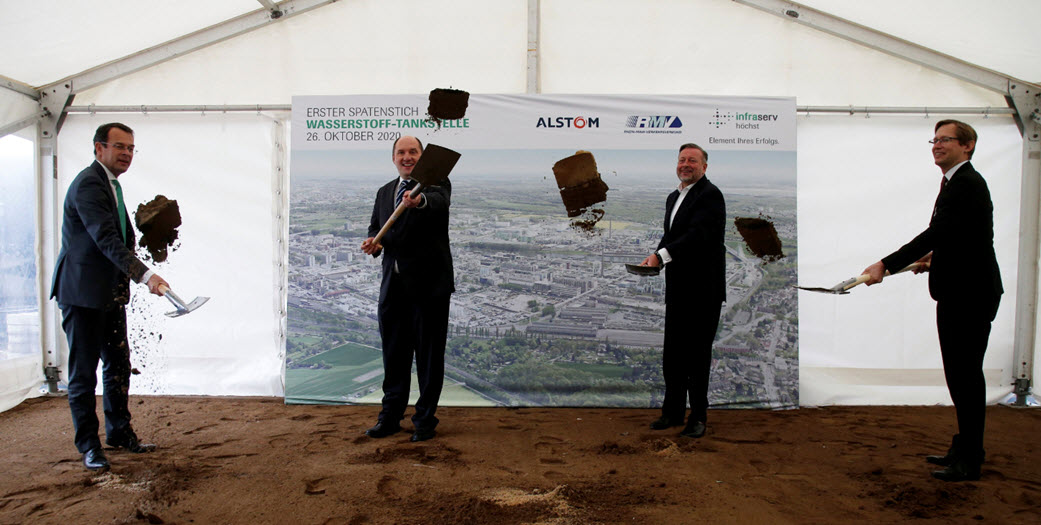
[(544, 312)]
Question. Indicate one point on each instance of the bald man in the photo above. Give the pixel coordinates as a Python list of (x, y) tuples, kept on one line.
[(418, 281)]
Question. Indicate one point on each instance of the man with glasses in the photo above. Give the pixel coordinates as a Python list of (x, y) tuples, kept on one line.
[(91, 284), (958, 249)]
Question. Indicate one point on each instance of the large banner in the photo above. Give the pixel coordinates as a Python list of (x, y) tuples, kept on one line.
[(545, 313)]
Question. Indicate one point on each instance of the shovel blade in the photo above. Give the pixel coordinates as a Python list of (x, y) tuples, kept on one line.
[(188, 308), (434, 165)]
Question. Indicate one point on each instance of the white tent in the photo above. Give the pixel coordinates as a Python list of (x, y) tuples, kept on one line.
[(207, 86)]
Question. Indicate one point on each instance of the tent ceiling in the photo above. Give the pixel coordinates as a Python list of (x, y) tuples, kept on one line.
[(48, 40), (1001, 36)]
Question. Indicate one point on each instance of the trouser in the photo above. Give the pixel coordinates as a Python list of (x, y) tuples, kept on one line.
[(412, 326), (690, 329), (97, 334), (964, 328)]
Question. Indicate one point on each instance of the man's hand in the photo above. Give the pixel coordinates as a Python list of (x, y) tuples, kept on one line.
[(370, 247), (925, 263), (875, 272), (409, 201), (154, 282), (651, 260)]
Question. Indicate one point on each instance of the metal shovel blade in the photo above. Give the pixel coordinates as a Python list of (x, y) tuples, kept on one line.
[(181, 307)]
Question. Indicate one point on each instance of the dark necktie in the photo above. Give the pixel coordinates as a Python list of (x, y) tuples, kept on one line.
[(401, 193), (121, 210), (943, 182)]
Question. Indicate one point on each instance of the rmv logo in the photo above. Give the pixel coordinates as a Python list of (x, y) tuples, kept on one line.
[(658, 121)]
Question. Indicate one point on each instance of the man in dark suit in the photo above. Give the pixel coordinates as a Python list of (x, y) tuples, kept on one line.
[(958, 247), (693, 255), (417, 284), (92, 286)]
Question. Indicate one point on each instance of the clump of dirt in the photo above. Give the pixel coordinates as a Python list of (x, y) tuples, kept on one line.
[(157, 220), (581, 187), (760, 237), (447, 104)]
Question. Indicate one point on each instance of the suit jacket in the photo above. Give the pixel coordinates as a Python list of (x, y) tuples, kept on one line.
[(695, 243), (417, 241), (961, 237), (95, 264)]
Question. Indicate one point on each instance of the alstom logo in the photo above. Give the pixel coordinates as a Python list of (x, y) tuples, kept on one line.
[(658, 121), (568, 122)]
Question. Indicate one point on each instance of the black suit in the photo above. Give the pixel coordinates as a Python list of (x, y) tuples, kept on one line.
[(417, 284), (695, 288), (965, 282), (91, 283)]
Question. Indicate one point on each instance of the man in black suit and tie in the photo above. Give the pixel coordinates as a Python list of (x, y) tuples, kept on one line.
[(958, 247), (418, 281), (693, 255), (92, 286)]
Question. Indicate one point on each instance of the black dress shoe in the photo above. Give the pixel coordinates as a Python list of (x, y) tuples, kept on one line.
[(959, 470), (663, 422), (943, 461), (694, 429), (382, 430), (94, 459), (131, 443), (422, 435)]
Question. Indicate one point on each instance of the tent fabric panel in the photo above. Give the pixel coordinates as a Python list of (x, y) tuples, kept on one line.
[(988, 34), (866, 187), (15, 106), (357, 47), (220, 169), (55, 39), (630, 47)]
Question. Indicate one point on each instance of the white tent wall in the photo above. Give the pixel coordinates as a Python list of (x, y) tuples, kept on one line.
[(21, 367), (221, 169), (865, 184), (866, 187)]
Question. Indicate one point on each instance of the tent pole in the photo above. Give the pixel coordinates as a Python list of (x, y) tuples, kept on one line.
[(1026, 99), (54, 100), (534, 17)]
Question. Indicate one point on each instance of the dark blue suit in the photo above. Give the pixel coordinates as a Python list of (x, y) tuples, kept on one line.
[(91, 284), (418, 281), (965, 282), (695, 288)]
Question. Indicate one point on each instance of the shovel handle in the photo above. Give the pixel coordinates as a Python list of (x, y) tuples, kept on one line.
[(397, 213), (861, 279)]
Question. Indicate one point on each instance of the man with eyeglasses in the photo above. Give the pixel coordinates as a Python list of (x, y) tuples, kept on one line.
[(92, 286), (958, 243)]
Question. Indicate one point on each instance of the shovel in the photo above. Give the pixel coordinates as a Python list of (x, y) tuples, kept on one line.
[(844, 287), (182, 308), (433, 166)]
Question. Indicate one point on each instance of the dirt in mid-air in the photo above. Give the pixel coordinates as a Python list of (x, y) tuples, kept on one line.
[(581, 188), (157, 220)]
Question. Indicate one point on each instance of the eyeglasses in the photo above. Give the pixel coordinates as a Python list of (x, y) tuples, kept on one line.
[(942, 140), (122, 147)]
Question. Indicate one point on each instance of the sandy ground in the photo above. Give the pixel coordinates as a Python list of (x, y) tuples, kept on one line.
[(253, 460)]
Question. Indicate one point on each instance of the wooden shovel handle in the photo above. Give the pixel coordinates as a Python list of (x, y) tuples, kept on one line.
[(394, 216), (863, 278), (162, 289)]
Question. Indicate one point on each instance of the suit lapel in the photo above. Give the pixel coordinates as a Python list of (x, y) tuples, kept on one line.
[(692, 195)]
